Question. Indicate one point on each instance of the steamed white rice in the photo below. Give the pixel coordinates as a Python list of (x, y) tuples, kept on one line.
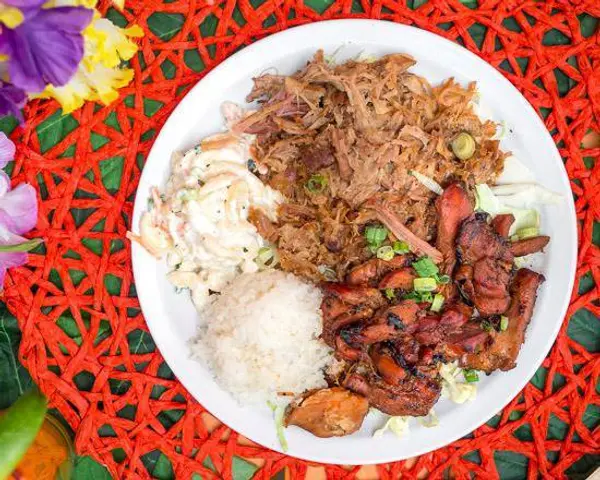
[(260, 337)]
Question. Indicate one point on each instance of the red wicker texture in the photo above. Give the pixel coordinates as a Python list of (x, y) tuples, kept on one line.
[(84, 220)]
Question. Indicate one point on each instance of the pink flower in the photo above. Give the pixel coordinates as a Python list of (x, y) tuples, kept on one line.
[(18, 215)]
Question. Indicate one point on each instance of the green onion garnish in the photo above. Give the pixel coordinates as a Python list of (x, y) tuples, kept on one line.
[(424, 284), (390, 294), (438, 302), (471, 376), (503, 323), (317, 183), (463, 146), (375, 235), (385, 253), (486, 325), (443, 279), (425, 267), (400, 248)]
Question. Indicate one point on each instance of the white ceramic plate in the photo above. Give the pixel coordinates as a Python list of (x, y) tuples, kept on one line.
[(172, 319)]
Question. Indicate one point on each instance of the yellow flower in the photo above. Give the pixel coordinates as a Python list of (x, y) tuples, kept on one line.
[(10, 16), (99, 75)]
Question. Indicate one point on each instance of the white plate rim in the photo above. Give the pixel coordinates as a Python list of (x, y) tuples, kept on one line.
[(313, 29)]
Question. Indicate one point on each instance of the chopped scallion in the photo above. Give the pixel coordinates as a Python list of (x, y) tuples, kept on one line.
[(317, 183), (443, 279), (375, 235), (390, 294), (400, 248), (385, 253), (427, 284), (471, 376), (425, 267), (463, 146), (503, 323), (438, 302)]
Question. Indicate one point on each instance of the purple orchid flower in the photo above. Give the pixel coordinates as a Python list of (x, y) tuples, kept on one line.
[(46, 48), (12, 100), (18, 215)]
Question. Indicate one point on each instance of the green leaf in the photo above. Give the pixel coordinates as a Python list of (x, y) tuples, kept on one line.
[(54, 129), (586, 283), (111, 170), (242, 469), (86, 468), (583, 467), (98, 141), (165, 25), (596, 233), (140, 342), (318, 6), (113, 284), (591, 416), (557, 429), (14, 379), (8, 124), (555, 37), (163, 469), (587, 24), (193, 60), (511, 465), (584, 328)]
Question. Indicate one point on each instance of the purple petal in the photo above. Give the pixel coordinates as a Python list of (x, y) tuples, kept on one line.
[(7, 150), (24, 3), (12, 99), (8, 260), (46, 48), (4, 183), (18, 209)]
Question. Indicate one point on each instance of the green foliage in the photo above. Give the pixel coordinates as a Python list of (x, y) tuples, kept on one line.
[(87, 468), (584, 328), (14, 379), (511, 465), (165, 25), (54, 129)]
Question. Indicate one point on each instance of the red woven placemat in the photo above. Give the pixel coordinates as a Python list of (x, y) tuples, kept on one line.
[(85, 341)]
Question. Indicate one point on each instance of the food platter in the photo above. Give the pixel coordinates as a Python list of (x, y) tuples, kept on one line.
[(172, 318)]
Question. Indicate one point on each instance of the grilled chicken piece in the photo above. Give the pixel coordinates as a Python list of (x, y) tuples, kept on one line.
[(476, 240), (372, 270), (503, 352), (453, 207), (402, 279), (486, 267), (386, 366), (330, 412), (354, 295), (390, 323), (520, 248), (353, 315), (412, 396), (502, 223)]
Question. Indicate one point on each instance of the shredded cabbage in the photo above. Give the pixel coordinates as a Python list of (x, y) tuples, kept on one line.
[(427, 182), (398, 425), (430, 420), (487, 201), (458, 392), (278, 412)]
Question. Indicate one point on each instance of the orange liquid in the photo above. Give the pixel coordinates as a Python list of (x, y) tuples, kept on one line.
[(49, 450)]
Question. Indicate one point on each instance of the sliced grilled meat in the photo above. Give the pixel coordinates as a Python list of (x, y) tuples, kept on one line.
[(369, 272), (354, 295), (486, 267), (330, 412), (504, 349), (398, 279), (502, 223), (520, 248), (412, 396), (453, 207)]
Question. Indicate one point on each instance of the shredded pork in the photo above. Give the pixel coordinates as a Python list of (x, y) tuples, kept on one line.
[(361, 127)]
